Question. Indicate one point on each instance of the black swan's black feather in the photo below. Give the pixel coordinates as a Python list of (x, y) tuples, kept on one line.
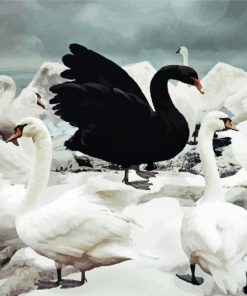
[(114, 120)]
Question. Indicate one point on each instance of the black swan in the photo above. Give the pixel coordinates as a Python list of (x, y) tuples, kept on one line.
[(115, 122)]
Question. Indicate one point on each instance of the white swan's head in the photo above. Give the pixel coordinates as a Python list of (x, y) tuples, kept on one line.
[(217, 120), (29, 127), (183, 51), (185, 54), (6, 81), (30, 97)]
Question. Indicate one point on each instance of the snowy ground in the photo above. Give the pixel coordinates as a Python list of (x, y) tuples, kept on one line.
[(159, 211)]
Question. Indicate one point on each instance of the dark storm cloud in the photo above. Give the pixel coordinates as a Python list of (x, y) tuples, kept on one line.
[(126, 31)]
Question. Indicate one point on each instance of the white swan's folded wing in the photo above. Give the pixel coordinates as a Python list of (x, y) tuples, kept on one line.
[(75, 228)]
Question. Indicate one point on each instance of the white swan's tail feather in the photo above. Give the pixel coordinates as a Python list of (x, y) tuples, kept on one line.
[(229, 278)]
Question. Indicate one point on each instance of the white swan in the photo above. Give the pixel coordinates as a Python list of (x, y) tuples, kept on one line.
[(12, 108), (229, 83), (14, 164), (214, 233), (224, 86), (185, 54), (9, 203), (70, 231), (185, 99), (29, 101)]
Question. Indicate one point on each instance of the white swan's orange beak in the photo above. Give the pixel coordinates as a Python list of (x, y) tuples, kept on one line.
[(16, 135), (230, 125), (198, 85), (39, 102)]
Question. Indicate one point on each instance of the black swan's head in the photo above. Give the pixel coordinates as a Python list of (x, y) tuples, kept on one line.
[(189, 76)]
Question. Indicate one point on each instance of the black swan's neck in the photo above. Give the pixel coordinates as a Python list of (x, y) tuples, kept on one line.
[(159, 89)]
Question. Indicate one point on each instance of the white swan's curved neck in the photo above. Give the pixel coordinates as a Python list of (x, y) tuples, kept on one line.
[(9, 90), (213, 189), (40, 173), (185, 56)]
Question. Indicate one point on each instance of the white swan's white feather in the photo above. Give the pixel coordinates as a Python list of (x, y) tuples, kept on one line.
[(221, 82), (70, 230), (69, 226), (47, 75), (15, 108), (213, 234), (14, 164)]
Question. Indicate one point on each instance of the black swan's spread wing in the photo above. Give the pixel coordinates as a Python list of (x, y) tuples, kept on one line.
[(101, 93), (98, 107), (114, 119), (110, 128), (88, 66)]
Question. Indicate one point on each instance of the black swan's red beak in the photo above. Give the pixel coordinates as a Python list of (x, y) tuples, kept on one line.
[(198, 85)]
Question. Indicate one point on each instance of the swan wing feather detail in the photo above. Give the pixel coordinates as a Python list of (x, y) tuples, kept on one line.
[(88, 66), (64, 231), (93, 104), (97, 83), (47, 75)]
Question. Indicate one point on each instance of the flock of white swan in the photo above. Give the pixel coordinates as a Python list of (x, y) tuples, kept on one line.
[(84, 231)]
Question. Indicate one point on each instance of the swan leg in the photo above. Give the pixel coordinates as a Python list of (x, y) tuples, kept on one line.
[(145, 185), (49, 285), (245, 288), (126, 176), (72, 283), (192, 279), (144, 174)]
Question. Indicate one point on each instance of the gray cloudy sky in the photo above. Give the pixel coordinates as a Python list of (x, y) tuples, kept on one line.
[(34, 31)]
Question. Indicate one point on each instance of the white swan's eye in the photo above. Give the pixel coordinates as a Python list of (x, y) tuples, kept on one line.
[(39, 102), (18, 130), (20, 127)]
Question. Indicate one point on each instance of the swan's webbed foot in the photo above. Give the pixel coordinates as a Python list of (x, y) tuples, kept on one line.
[(146, 174), (70, 284), (48, 285), (73, 283), (190, 279), (144, 185)]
